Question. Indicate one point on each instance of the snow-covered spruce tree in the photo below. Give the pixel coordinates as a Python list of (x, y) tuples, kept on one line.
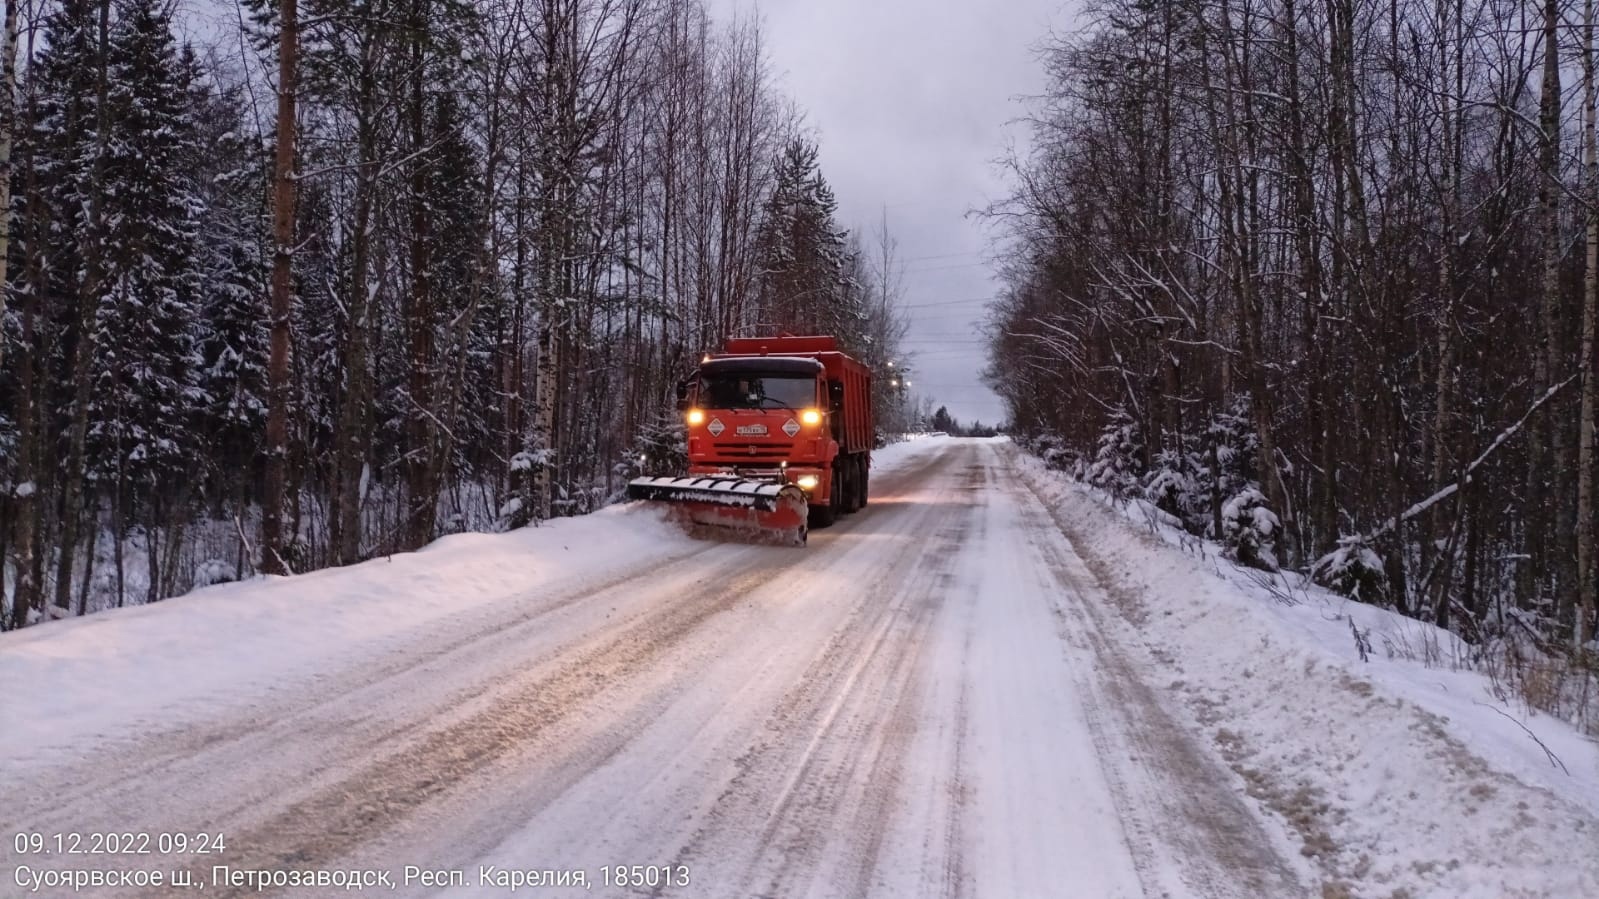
[(1238, 512), (146, 392), (458, 346), (1249, 529), (62, 130), (232, 258), (1215, 466), (1232, 444), (1119, 460), (1174, 483), (1053, 450), (1353, 569), (57, 146), (61, 146), (802, 252)]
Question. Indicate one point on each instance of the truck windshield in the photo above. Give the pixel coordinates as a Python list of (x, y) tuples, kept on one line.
[(752, 390)]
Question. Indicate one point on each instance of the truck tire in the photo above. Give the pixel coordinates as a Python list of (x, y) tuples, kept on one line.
[(852, 486), (866, 481), (822, 516)]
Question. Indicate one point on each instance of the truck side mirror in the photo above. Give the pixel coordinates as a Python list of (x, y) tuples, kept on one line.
[(682, 395)]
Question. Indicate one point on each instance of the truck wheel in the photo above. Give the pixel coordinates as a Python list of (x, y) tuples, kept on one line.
[(852, 487), (866, 481), (822, 516)]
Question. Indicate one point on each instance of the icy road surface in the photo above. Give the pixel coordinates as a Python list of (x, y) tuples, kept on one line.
[(931, 699)]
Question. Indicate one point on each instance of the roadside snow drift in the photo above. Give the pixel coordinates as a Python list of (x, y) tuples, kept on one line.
[(1398, 779)]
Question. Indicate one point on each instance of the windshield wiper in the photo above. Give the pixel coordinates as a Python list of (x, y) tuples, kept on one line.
[(780, 403)]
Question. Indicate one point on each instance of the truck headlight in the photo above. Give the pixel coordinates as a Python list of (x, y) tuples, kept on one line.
[(811, 417), (696, 416), (806, 482)]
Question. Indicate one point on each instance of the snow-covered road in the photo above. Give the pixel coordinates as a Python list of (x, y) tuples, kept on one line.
[(936, 697)]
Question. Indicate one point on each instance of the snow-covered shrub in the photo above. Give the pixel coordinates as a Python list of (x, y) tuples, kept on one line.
[(1053, 451), (517, 509), (213, 571), (1231, 439), (1249, 530), (661, 447), (1176, 484), (1353, 569), (511, 512), (297, 555), (1119, 461)]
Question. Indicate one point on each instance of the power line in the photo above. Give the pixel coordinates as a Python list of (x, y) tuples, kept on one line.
[(943, 303), (944, 268), (944, 316), (941, 256)]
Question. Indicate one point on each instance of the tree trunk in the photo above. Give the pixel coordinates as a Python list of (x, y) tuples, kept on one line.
[(1549, 188), (88, 559), (281, 305), (8, 127), (422, 501), (350, 444), (1590, 311), (1444, 374), (84, 349)]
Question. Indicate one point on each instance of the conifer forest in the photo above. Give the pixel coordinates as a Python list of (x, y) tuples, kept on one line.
[(293, 285)]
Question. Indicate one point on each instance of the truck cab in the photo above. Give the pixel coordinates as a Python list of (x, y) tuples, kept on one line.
[(786, 410)]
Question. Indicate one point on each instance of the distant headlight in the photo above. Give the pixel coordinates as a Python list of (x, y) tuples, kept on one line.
[(811, 417), (696, 416), (806, 482)]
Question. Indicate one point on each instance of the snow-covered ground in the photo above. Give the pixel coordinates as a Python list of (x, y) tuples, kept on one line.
[(989, 683), (1401, 774), (203, 653)]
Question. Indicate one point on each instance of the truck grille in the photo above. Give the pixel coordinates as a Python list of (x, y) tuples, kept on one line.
[(733, 450)]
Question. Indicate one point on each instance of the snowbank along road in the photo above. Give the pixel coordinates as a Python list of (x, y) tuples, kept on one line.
[(936, 697)]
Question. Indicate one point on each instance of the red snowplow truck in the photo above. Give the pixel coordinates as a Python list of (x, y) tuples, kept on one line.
[(780, 437)]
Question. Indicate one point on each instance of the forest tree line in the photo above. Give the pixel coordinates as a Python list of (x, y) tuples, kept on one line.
[(1318, 277), (348, 275)]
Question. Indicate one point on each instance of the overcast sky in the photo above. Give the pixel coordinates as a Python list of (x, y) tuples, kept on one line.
[(910, 100)]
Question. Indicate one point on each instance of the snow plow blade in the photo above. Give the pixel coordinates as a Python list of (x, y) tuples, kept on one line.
[(757, 509)]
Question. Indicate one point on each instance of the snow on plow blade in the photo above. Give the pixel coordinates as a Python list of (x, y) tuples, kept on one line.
[(756, 508)]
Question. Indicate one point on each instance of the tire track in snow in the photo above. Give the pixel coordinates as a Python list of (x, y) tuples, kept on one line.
[(957, 879), (333, 821), (816, 789), (73, 794), (367, 786), (1172, 793), (877, 747)]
